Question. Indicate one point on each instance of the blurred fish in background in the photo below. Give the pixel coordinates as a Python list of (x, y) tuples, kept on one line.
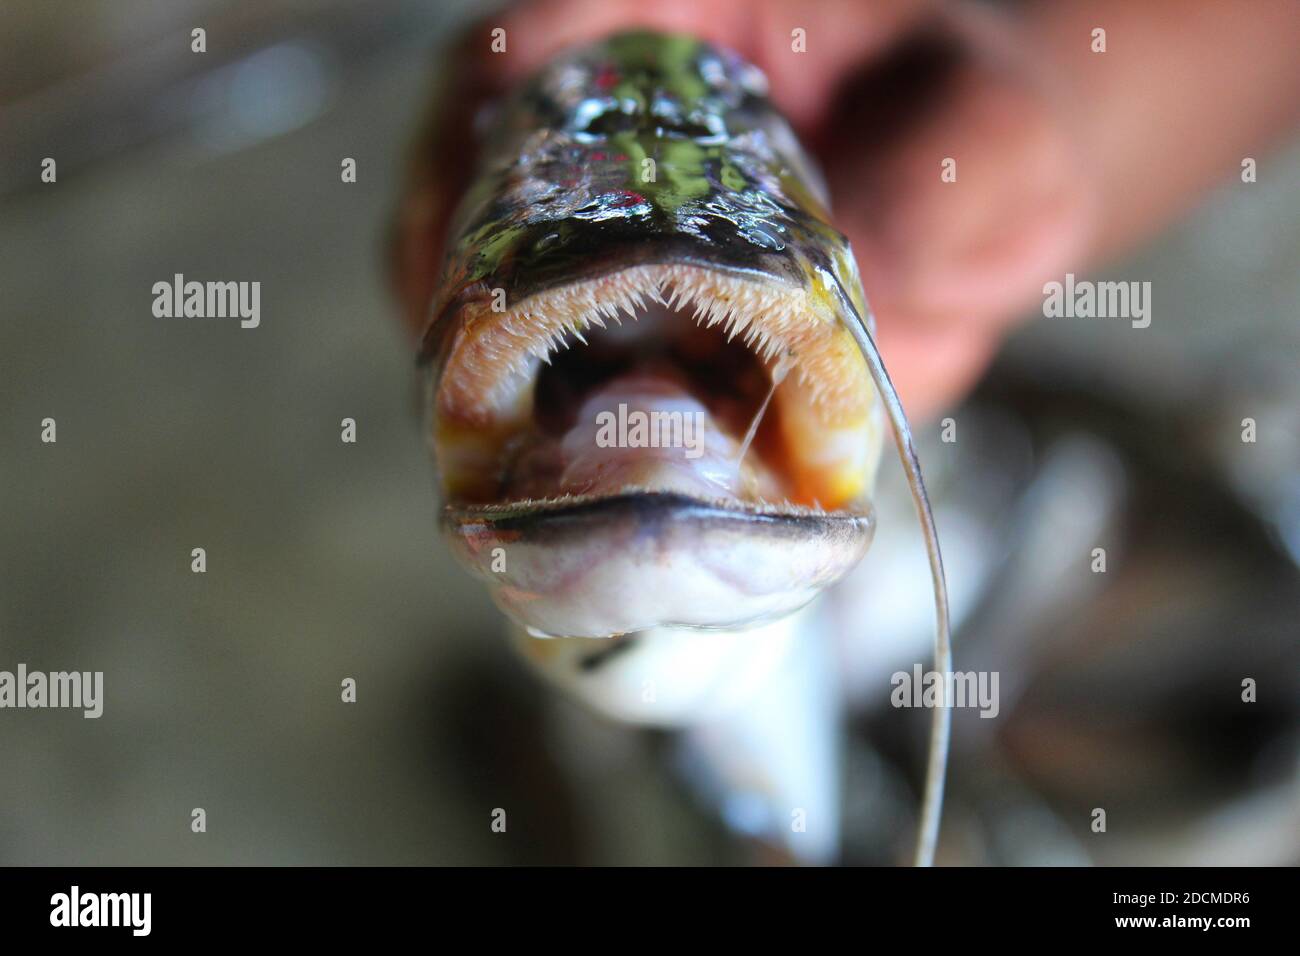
[(1119, 690)]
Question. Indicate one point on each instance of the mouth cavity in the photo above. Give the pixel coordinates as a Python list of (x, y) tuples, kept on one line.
[(729, 389)]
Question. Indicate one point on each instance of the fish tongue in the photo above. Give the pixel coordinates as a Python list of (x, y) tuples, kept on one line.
[(648, 432)]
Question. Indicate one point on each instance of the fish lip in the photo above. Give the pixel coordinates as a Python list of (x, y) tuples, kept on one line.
[(574, 515), (635, 561)]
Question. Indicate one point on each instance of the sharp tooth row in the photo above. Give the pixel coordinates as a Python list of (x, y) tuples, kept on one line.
[(499, 353), (735, 313)]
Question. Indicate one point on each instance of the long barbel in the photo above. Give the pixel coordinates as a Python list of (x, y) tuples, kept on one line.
[(941, 720)]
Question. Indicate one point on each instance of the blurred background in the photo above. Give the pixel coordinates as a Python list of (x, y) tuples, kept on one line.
[(1119, 690)]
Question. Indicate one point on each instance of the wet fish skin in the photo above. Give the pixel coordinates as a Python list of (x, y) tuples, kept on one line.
[(566, 194)]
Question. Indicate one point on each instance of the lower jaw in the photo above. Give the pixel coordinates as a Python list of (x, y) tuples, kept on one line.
[(600, 567)]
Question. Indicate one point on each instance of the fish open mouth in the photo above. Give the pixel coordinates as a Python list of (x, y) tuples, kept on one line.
[(666, 445), (733, 390)]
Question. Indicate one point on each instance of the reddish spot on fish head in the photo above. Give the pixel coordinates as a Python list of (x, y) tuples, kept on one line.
[(607, 77)]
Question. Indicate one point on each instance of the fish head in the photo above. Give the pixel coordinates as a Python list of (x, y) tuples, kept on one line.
[(646, 401)]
